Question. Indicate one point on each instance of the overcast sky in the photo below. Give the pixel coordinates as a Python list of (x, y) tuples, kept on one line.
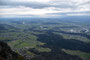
[(44, 8)]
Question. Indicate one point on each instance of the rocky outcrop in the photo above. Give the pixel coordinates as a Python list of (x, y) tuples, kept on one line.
[(7, 54)]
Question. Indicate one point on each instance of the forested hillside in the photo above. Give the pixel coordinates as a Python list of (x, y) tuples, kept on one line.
[(47, 39)]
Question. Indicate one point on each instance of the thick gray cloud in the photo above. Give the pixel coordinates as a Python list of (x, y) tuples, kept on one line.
[(52, 3), (44, 7), (27, 4), (37, 5)]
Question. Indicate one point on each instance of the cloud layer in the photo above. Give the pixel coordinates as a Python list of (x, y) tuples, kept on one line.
[(44, 8)]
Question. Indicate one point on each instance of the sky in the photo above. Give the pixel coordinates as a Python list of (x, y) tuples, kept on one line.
[(44, 8)]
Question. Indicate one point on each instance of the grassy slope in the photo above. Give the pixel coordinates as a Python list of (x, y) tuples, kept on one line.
[(78, 53)]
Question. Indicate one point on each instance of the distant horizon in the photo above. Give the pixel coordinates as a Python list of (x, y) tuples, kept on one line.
[(46, 17)]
